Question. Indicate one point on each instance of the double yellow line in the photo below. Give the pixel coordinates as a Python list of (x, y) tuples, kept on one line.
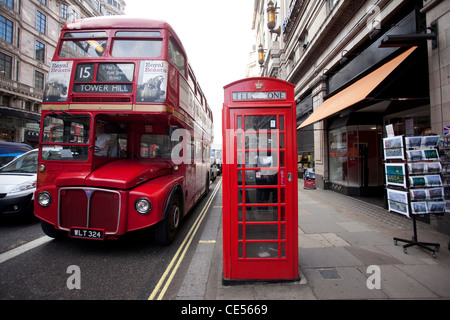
[(173, 266)]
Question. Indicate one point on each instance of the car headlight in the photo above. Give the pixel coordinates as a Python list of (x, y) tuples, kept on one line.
[(24, 186), (143, 206), (44, 199)]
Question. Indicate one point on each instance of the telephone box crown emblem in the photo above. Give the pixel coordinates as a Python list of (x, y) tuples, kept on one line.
[(259, 85)]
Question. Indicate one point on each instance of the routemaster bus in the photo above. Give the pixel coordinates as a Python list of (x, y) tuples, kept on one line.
[(134, 130)]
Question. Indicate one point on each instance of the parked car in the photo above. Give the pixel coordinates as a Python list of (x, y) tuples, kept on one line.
[(18, 184), (10, 150)]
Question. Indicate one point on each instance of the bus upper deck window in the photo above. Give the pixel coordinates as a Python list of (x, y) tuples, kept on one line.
[(138, 34), (137, 44), (131, 48), (83, 45)]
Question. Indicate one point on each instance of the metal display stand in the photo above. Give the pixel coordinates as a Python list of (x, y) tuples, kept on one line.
[(410, 187), (415, 242)]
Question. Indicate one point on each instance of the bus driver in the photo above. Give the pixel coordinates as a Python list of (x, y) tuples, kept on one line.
[(103, 141)]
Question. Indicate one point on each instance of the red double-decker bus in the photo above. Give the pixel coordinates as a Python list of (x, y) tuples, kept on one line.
[(125, 132)]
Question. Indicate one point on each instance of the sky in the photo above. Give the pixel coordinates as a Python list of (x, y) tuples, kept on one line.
[(217, 36)]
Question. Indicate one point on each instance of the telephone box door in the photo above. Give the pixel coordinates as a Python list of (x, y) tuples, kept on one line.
[(262, 194)]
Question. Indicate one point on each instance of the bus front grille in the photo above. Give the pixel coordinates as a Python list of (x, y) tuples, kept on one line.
[(89, 208)]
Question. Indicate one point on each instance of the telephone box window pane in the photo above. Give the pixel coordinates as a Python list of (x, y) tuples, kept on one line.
[(262, 140), (239, 178), (240, 161), (260, 122), (240, 232), (239, 122), (240, 196), (240, 214), (239, 141), (261, 232), (283, 232), (282, 159), (251, 159), (260, 195), (282, 195), (261, 250), (261, 177), (240, 250), (282, 213), (261, 214), (281, 140), (281, 123), (261, 159), (283, 250)]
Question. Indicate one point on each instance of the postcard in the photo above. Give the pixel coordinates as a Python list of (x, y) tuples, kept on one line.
[(393, 148), (433, 180), (398, 201), (436, 206), (418, 194), (395, 174), (419, 207)]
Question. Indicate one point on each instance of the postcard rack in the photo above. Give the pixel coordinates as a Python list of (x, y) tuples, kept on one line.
[(413, 181)]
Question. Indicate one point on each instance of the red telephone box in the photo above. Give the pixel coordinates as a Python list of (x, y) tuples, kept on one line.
[(260, 222)]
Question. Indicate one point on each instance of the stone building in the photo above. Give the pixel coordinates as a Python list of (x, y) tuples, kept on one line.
[(29, 32), (359, 67)]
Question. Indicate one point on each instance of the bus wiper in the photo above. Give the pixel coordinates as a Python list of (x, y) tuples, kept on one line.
[(71, 115), (56, 114)]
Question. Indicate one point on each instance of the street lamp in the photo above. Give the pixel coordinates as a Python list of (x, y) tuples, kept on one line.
[(271, 18), (260, 55)]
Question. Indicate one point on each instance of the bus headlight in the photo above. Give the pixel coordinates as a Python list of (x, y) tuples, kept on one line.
[(44, 199), (143, 206)]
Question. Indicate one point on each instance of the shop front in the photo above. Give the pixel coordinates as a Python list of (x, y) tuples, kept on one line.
[(355, 166), (305, 139), (396, 93), (18, 125)]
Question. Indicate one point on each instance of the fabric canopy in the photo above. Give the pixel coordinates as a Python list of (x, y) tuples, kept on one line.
[(356, 92)]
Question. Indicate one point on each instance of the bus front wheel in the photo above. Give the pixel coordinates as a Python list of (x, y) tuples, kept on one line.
[(167, 229), (50, 231)]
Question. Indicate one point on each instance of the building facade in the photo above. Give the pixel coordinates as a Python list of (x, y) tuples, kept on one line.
[(359, 67), (29, 32)]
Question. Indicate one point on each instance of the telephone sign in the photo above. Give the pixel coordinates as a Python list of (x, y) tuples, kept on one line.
[(273, 95)]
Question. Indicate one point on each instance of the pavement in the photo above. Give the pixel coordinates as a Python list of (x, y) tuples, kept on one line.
[(346, 251)]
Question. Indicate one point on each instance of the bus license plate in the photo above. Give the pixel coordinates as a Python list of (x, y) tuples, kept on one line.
[(87, 233)]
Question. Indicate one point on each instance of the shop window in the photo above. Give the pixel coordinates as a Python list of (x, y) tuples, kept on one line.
[(412, 122), (355, 156), (338, 155)]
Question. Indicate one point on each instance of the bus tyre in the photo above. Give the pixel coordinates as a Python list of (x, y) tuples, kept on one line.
[(50, 231), (167, 229)]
